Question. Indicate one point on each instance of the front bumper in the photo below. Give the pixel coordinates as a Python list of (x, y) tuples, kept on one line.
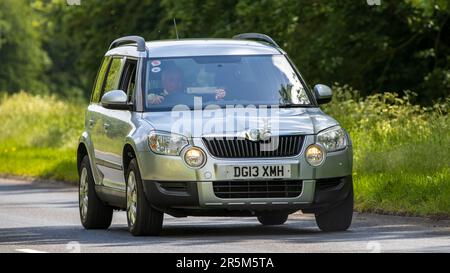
[(194, 187), (316, 195)]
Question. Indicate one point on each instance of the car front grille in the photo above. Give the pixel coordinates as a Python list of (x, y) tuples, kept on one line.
[(236, 147), (258, 189)]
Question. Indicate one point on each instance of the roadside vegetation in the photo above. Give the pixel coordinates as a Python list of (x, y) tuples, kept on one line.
[(401, 152), (39, 136), (401, 162)]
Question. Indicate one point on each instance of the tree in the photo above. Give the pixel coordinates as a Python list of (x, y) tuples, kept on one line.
[(80, 35), (395, 46), (22, 59)]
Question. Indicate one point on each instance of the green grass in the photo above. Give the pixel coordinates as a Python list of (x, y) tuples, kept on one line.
[(401, 150), (48, 163), (39, 136), (408, 179)]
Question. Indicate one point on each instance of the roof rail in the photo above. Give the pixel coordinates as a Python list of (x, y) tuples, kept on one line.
[(129, 39), (256, 36)]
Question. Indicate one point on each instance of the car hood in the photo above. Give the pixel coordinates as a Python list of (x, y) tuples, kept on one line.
[(202, 123)]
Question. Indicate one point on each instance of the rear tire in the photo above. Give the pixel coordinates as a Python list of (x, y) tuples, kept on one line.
[(272, 219), (94, 214), (142, 218), (338, 218)]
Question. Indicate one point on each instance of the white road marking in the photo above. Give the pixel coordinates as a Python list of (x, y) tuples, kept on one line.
[(29, 250)]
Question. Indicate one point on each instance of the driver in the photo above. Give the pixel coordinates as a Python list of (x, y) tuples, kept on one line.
[(171, 80)]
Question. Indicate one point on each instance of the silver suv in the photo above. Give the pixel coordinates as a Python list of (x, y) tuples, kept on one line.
[(210, 127)]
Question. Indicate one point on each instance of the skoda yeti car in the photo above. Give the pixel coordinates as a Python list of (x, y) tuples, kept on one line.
[(210, 127)]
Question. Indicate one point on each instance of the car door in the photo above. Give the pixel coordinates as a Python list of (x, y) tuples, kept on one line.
[(100, 127), (94, 120), (118, 125)]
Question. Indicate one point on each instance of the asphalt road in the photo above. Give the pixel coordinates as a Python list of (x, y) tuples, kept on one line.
[(43, 217)]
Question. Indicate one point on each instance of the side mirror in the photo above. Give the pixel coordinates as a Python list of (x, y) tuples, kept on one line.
[(115, 99), (323, 93)]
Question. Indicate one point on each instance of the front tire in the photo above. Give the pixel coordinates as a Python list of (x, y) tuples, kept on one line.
[(93, 213), (272, 219), (338, 218), (142, 218)]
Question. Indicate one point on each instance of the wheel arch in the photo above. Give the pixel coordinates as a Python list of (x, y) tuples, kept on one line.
[(128, 154), (81, 153)]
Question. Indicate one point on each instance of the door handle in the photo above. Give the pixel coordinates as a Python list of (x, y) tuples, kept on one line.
[(106, 126), (91, 122)]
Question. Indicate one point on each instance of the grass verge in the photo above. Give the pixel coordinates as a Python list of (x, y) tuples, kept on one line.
[(39, 136), (401, 150)]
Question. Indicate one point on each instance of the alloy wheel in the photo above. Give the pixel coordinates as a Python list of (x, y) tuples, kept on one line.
[(83, 193), (131, 198)]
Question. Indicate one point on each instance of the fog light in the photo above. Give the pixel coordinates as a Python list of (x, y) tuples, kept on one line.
[(315, 155), (194, 157)]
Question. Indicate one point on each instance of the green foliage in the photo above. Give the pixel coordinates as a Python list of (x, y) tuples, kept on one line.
[(39, 136), (401, 151), (398, 45), (22, 60), (80, 35), (32, 162), (39, 121)]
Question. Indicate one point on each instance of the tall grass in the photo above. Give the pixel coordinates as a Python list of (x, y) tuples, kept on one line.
[(38, 136), (401, 150)]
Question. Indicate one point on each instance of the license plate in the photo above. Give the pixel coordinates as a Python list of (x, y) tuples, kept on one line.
[(259, 171)]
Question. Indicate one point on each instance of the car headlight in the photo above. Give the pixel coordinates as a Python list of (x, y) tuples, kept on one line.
[(315, 155), (194, 157), (333, 139), (166, 143)]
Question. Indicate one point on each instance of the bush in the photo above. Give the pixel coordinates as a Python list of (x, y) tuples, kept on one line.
[(39, 136), (401, 151), (39, 121)]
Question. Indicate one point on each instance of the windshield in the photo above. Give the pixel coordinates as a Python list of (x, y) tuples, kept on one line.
[(223, 80)]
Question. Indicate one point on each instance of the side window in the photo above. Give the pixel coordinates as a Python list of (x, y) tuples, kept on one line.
[(96, 92), (112, 80), (128, 79)]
